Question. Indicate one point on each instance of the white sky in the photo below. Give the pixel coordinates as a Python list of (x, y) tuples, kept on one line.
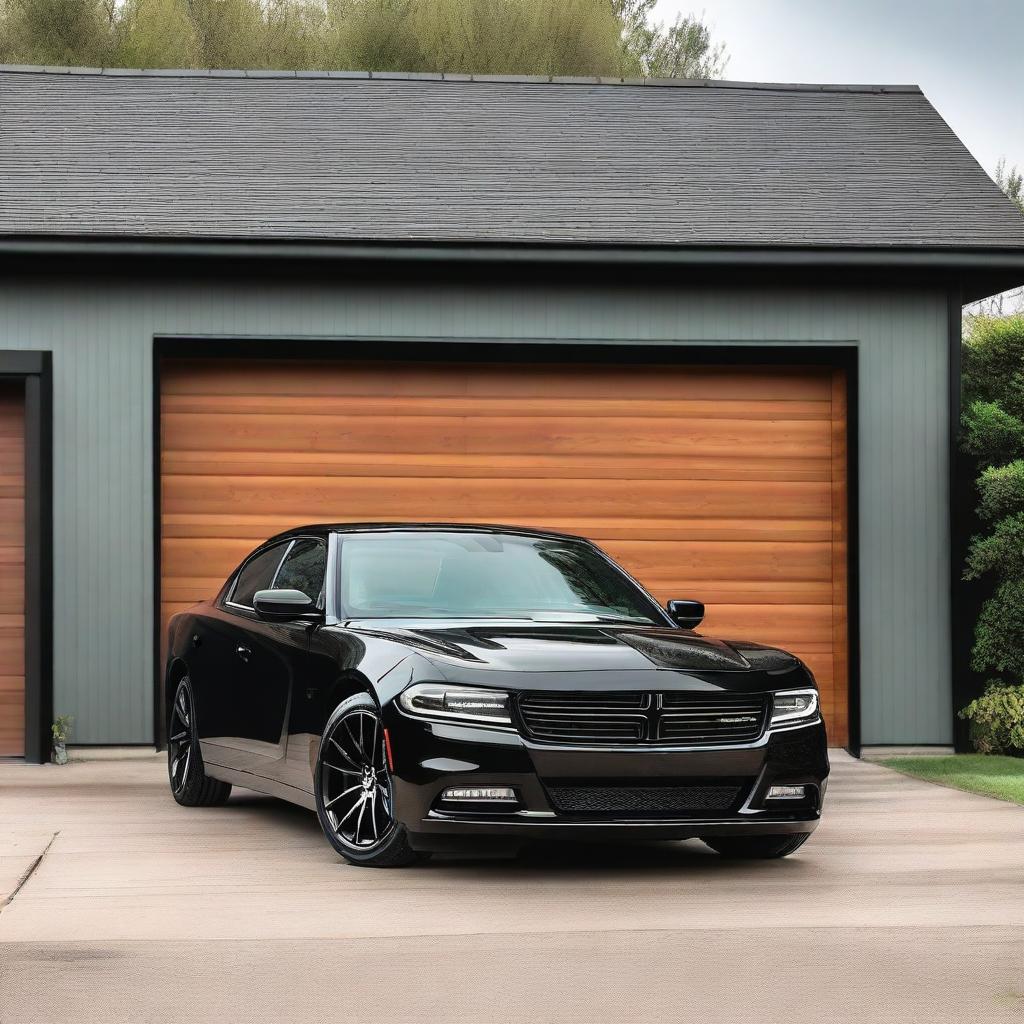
[(967, 55)]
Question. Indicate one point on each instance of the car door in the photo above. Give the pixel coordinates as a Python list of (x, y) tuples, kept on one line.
[(243, 702), (304, 568)]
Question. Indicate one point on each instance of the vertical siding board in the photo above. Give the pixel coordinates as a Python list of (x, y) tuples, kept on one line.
[(101, 336)]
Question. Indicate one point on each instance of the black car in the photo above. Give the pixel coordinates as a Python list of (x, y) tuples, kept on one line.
[(422, 686)]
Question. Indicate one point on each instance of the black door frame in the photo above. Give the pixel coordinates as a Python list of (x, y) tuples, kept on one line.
[(837, 355), (33, 370)]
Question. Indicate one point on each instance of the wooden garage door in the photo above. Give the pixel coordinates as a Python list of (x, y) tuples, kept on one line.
[(718, 483), (12, 570)]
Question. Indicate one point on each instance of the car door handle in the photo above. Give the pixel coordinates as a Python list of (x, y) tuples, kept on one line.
[(243, 652)]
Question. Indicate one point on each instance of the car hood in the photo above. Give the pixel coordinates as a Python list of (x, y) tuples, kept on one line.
[(555, 647)]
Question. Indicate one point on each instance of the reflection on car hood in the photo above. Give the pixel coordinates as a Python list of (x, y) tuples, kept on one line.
[(553, 647)]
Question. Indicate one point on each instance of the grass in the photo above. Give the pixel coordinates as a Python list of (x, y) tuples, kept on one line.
[(987, 774)]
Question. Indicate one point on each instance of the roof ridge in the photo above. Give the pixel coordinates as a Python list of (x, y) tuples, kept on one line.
[(410, 76)]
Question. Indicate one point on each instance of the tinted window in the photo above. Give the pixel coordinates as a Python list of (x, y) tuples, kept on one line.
[(256, 575), (441, 575), (304, 568)]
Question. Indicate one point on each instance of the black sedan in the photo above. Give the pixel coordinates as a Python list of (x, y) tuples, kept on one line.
[(426, 686)]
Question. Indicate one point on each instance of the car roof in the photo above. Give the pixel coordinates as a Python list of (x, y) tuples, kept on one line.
[(491, 528)]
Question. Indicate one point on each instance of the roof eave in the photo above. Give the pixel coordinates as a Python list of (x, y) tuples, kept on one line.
[(1002, 266)]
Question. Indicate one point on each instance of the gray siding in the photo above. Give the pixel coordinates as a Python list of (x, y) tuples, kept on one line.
[(101, 334)]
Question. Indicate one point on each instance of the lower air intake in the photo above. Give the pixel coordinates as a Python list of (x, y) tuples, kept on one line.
[(643, 799)]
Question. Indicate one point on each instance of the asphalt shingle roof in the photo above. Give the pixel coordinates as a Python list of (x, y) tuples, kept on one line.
[(347, 157)]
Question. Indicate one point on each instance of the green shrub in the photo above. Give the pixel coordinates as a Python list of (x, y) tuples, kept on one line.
[(997, 636), (1002, 490), (993, 431), (1002, 551), (997, 719)]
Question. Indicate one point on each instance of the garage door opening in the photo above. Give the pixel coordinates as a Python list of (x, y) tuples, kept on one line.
[(723, 483)]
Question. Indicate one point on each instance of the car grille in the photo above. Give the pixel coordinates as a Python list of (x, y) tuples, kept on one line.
[(725, 718), (643, 799), (683, 718)]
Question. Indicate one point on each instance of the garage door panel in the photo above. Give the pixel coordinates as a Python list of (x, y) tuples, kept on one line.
[(790, 626), (226, 377), (493, 500), (719, 483), (557, 406), (726, 466), (497, 434), (725, 560)]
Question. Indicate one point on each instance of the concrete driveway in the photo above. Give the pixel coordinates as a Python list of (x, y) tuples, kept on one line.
[(907, 905)]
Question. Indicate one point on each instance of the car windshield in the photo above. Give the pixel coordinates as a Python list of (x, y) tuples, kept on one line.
[(484, 575)]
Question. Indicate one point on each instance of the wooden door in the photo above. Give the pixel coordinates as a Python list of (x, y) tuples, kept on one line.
[(720, 483), (12, 570)]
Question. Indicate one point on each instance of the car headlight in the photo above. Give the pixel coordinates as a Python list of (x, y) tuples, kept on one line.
[(794, 706), (437, 700)]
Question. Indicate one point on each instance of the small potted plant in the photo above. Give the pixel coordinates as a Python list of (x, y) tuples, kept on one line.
[(61, 729)]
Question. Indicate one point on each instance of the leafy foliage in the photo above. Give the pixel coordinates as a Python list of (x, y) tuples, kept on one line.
[(993, 384), (1011, 181), (683, 49), (991, 433), (61, 728), (1002, 491), (997, 719), (155, 34), (76, 32), (541, 37)]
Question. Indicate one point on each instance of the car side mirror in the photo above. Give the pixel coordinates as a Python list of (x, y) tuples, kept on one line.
[(688, 614), (285, 606)]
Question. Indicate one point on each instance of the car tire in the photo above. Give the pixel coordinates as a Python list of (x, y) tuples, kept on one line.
[(352, 775), (190, 785), (756, 847)]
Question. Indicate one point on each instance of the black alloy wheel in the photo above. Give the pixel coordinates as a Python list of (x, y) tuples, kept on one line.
[(354, 795), (190, 784)]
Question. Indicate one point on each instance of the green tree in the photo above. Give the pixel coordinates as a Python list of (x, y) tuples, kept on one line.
[(292, 35), (67, 32), (370, 35), (156, 34), (544, 37), (229, 33), (652, 49), (993, 390), (1011, 181)]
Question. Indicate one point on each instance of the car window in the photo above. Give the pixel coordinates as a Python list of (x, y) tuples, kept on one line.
[(439, 575), (256, 574), (304, 568)]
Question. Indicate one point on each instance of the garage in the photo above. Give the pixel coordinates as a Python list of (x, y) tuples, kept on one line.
[(723, 483), (12, 570)]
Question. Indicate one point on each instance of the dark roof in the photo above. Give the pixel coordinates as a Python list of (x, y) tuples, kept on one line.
[(344, 157), (519, 531)]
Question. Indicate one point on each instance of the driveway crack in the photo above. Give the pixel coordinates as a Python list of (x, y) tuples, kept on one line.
[(28, 874)]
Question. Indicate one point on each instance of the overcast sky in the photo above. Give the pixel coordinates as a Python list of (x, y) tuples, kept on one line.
[(967, 55)]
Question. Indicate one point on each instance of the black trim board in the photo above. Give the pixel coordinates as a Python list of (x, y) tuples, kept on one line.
[(838, 355), (33, 371), (966, 596)]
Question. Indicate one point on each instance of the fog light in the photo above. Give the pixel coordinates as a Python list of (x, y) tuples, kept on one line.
[(787, 792), (480, 794)]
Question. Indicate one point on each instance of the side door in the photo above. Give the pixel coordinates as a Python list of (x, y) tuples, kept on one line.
[(242, 703)]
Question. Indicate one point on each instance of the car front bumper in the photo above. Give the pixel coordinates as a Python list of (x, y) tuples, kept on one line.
[(430, 757)]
